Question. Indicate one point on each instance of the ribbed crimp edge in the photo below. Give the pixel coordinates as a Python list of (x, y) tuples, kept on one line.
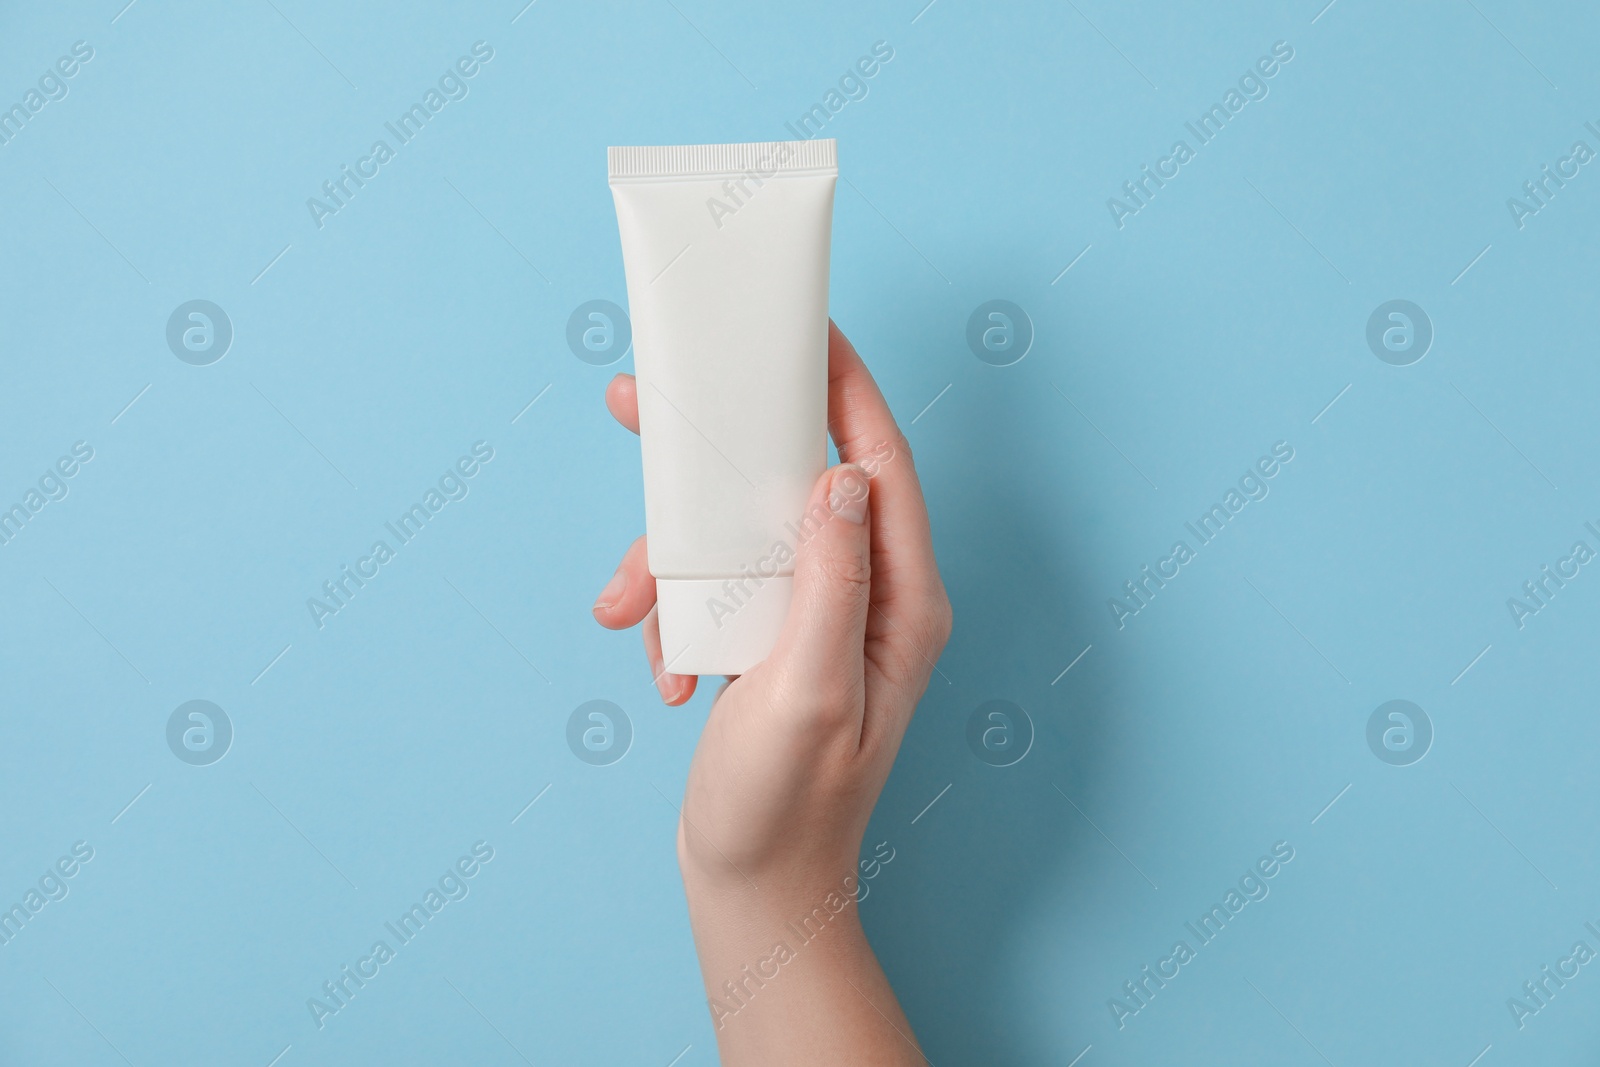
[(715, 160)]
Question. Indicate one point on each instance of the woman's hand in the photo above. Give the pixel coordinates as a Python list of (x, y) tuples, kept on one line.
[(796, 751)]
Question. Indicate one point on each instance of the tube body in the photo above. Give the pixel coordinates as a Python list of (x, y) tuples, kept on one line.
[(725, 248)]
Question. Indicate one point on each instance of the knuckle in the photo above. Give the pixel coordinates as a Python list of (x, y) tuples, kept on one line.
[(902, 446), (924, 633), (934, 619), (941, 623), (851, 570), (907, 665), (872, 453), (824, 704)]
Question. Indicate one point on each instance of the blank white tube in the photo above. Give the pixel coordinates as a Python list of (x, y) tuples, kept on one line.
[(725, 248)]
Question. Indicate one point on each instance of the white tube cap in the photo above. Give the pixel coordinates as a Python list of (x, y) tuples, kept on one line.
[(711, 627)]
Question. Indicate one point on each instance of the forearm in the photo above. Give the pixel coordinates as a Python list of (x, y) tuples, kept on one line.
[(790, 978)]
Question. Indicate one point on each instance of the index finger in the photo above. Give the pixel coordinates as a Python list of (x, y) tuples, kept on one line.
[(866, 434), (622, 400)]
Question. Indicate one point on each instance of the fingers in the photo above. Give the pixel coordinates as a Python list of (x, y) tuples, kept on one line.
[(622, 400), (820, 648), (865, 431), (630, 597), (674, 688), (909, 602), (906, 581), (631, 592), (858, 417)]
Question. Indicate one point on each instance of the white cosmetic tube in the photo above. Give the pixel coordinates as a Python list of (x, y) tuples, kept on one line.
[(725, 248)]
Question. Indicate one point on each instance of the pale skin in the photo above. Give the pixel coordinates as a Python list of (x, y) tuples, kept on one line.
[(795, 752)]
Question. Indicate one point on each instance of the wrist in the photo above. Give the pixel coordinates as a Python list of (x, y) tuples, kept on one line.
[(772, 943), (785, 877), (827, 894), (753, 911)]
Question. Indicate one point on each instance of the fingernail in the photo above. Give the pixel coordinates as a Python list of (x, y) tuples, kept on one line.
[(612, 592), (659, 673), (847, 496)]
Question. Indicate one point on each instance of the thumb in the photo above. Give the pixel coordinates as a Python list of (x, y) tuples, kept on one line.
[(824, 633)]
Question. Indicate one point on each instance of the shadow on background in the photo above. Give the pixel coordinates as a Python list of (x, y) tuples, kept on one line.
[(979, 865)]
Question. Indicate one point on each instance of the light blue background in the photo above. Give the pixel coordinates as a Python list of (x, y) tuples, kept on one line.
[(1225, 717)]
